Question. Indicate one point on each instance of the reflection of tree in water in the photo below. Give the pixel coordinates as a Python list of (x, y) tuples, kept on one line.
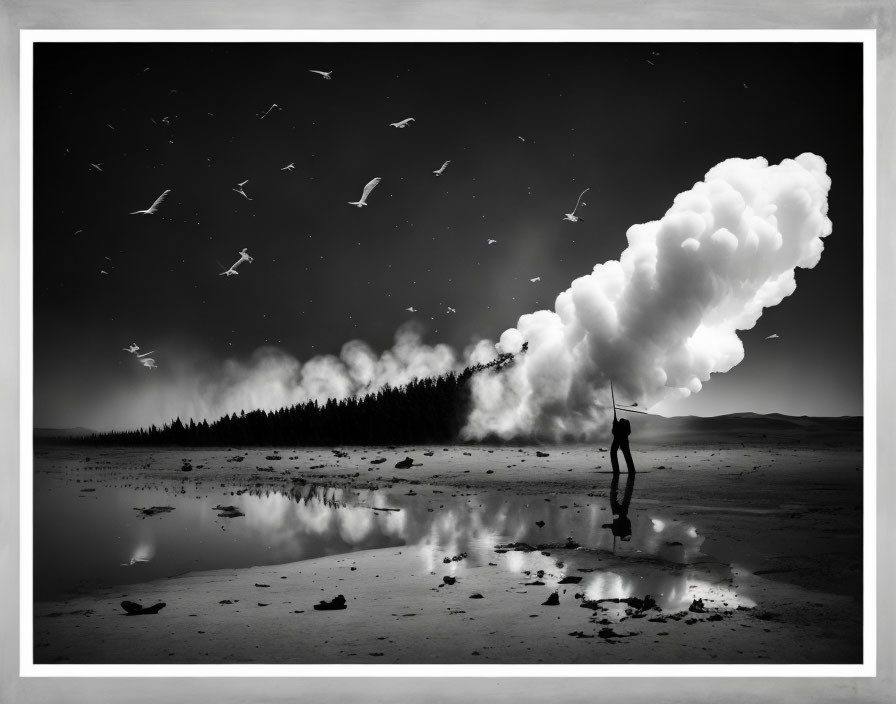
[(329, 496)]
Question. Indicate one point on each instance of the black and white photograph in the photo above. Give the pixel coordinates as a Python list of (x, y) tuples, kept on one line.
[(449, 353)]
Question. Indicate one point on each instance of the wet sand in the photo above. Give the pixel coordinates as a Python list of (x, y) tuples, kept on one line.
[(781, 524)]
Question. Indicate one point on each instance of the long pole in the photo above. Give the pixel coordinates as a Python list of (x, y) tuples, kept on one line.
[(613, 396)]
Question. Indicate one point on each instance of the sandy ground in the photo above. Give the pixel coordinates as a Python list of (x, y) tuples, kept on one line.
[(791, 515)]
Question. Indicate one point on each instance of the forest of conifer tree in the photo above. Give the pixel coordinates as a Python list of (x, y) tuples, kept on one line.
[(425, 410)]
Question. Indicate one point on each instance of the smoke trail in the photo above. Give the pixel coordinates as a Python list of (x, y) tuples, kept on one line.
[(664, 317), (271, 379)]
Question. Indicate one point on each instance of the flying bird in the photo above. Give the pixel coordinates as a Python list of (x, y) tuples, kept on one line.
[(572, 217), (96, 166), (149, 363), (244, 257), (132, 348), (289, 167), (104, 272), (229, 272), (438, 172), (521, 138), (491, 241), (367, 189), (273, 105), (411, 309), (772, 336), (404, 123), (451, 310), (240, 189), (537, 278), (325, 74), (151, 210)]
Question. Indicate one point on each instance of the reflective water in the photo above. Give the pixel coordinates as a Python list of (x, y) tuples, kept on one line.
[(94, 535)]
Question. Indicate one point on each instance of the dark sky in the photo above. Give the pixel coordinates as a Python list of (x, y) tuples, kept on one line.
[(637, 123)]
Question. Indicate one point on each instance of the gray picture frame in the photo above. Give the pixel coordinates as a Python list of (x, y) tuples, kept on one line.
[(461, 14)]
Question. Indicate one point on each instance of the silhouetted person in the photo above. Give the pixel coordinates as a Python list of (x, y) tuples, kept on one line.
[(621, 525), (621, 430)]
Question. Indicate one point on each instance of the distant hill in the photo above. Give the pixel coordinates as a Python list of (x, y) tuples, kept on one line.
[(747, 427), (78, 432)]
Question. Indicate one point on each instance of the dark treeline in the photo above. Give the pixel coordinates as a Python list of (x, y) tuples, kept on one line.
[(425, 410)]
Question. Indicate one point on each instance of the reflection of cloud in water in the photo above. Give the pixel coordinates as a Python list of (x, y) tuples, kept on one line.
[(672, 592), (144, 552)]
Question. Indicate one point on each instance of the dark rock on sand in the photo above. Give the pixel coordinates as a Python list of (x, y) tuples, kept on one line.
[(697, 606), (477, 595), (542, 454), (570, 579), (406, 463), (553, 600), (228, 511), (378, 461), (135, 609), (449, 580), (333, 605)]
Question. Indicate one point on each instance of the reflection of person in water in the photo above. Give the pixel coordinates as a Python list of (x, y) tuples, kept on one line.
[(621, 525)]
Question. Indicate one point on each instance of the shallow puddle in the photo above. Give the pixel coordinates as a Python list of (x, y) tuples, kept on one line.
[(95, 534)]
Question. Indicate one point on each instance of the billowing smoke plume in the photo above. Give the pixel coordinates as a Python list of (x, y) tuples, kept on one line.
[(664, 317), (271, 379), (657, 322)]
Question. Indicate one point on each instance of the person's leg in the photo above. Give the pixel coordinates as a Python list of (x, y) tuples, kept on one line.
[(627, 454), (614, 460)]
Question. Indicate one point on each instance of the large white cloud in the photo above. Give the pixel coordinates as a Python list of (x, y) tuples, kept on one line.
[(664, 316)]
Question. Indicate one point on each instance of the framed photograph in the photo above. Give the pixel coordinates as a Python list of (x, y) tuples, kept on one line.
[(470, 361)]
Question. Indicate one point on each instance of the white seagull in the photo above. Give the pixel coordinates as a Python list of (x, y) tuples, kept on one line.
[(401, 125), (273, 105), (229, 272), (367, 189), (537, 278), (149, 363), (96, 166), (772, 336), (572, 217), (151, 210), (491, 241), (325, 74), (451, 310), (132, 348), (289, 167), (438, 172), (244, 257), (411, 309), (240, 189)]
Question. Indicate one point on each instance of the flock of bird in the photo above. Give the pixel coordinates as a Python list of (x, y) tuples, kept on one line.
[(360, 203)]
